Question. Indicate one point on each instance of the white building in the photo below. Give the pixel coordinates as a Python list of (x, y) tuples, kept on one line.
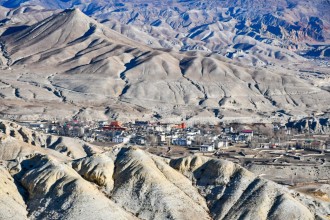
[(162, 138), (121, 139), (228, 130), (247, 133), (181, 142), (221, 144), (206, 148)]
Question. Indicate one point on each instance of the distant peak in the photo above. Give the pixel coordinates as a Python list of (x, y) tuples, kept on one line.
[(73, 10), (73, 13)]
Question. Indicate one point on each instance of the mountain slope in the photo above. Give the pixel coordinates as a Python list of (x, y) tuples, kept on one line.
[(69, 28), (191, 25), (83, 64)]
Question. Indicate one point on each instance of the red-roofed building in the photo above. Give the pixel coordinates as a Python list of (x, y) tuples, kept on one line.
[(247, 133), (181, 126), (115, 125)]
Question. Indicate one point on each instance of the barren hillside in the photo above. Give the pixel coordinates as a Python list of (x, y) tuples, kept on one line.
[(214, 25), (72, 59)]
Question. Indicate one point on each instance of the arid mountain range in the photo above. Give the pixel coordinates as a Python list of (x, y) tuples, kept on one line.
[(177, 60), (44, 177), (226, 27), (193, 61)]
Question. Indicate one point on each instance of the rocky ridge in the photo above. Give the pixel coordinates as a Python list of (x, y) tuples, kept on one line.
[(129, 183)]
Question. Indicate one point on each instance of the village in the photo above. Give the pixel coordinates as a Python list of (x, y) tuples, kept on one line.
[(268, 149), (196, 138)]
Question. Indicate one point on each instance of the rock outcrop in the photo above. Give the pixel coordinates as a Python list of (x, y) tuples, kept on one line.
[(235, 193), (151, 193), (58, 191), (98, 169), (12, 205)]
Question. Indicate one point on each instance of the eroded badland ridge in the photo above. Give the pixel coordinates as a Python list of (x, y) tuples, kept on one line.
[(41, 180)]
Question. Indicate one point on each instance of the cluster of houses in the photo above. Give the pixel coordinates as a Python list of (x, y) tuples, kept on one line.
[(145, 133)]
